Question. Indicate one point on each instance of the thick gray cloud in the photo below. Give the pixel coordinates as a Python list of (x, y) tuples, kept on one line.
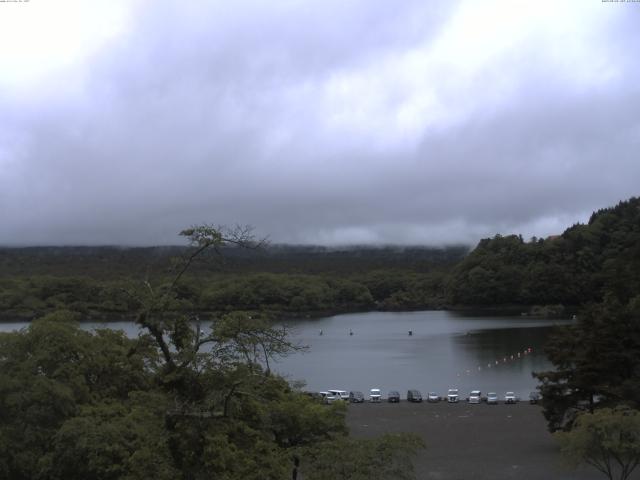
[(331, 122)]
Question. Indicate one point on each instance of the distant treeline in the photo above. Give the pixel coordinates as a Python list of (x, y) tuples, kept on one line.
[(571, 269), (96, 281), (119, 262)]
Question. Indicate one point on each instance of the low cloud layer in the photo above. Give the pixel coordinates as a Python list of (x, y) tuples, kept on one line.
[(327, 123)]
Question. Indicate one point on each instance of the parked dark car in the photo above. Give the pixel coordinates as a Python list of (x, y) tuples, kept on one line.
[(414, 396), (393, 397), (356, 397)]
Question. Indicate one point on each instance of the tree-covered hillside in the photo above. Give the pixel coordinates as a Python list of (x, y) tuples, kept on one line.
[(576, 267)]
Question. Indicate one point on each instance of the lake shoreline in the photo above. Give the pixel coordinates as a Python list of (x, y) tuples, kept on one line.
[(470, 310), (427, 350)]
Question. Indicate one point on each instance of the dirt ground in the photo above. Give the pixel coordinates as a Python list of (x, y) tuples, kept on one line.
[(474, 442)]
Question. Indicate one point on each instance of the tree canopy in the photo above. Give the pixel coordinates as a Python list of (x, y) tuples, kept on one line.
[(596, 360), (582, 265)]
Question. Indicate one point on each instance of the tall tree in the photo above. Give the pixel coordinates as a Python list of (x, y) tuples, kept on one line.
[(597, 363)]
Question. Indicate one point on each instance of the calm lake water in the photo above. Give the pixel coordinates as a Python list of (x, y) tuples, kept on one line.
[(445, 350)]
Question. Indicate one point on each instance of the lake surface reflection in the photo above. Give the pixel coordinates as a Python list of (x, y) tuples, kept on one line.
[(445, 350)]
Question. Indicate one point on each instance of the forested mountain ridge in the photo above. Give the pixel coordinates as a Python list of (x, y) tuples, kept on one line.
[(577, 267)]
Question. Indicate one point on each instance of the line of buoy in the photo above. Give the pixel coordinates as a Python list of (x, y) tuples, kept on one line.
[(505, 359)]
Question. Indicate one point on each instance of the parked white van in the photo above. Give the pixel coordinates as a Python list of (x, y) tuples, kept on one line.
[(452, 395), (340, 394), (374, 395)]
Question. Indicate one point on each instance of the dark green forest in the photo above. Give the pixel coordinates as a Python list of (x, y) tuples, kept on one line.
[(563, 271), (95, 281), (581, 265)]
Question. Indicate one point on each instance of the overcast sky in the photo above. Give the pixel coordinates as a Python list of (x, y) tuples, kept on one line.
[(332, 122)]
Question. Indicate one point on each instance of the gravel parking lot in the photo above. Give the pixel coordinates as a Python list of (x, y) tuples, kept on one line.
[(472, 441)]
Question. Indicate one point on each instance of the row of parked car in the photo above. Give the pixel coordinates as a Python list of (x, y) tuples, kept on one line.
[(453, 396)]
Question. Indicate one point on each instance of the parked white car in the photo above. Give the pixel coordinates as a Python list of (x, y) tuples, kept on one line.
[(340, 394), (433, 397), (374, 395), (327, 397), (452, 395), (492, 398), (475, 396), (510, 397)]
